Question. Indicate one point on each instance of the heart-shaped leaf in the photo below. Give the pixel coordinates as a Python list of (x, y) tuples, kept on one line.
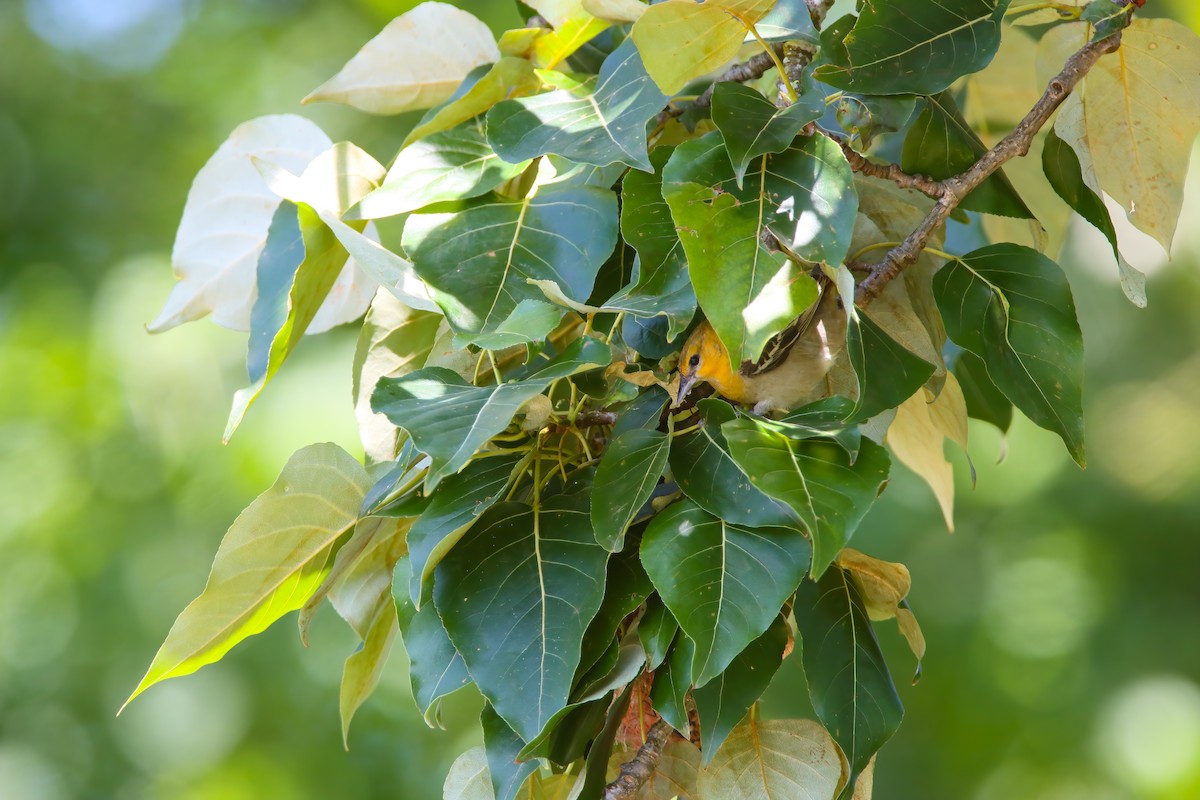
[(724, 583)]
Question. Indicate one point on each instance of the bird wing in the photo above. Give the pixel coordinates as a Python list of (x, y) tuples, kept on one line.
[(776, 350)]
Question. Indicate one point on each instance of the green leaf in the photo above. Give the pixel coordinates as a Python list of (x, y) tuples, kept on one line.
[(724, 583), (660, 283), (626, 587), (296, 270), (1012, 307), (815, 477), (897, 47), (708, 475), (681, 40), (516, 595), (625, 479), (394, 340), (435, 669), (450, 419), (984, 400), (502, 746), (941, 144), (594, 771), (888, 373), (507, 78), (1063, 170), (848, 681), (477, 261), (451, 165), (364, 667), (803, 197), (752, 126), (274, 556), (599, 121), (825, 417), (643, 411), (775, 759), (723, 702), (452, 509), (672, 680), (531, 321), (656, 629), (865, 116)]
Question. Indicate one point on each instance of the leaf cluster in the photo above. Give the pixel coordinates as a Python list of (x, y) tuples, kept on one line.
[(538, 515)]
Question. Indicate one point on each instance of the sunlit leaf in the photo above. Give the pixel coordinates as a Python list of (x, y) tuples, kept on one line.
[(416, 61), (615, 10), (803, 197), (724, 583), (394, 340), (531, 321), (897, 47), (625, 479), (477, 261), (723, 702), (449, 165), (1012, 307), (848, 680), (814, 477), (449, 419), (468, 778), (273, 557), (516, 594), (774, 759), (599, 121), (224, 228), (752, 126), (681, 39), (573, 27), (1133, 120), (506, 79)]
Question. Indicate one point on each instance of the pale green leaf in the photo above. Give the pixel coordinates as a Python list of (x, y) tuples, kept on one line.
[(507, 78), (779, 758), (274, 556)]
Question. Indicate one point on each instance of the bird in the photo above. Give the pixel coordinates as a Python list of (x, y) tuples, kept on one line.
[(787, 375)]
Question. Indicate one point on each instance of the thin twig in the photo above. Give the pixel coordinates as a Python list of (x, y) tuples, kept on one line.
[(889, 172), (635, 772), (755, 67), (954, 189)]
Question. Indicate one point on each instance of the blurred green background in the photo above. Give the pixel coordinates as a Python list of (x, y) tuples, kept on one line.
[(1064, 654)]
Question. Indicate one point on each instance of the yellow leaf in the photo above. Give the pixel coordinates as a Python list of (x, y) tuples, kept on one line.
[(675, 775), (274, 556), (1132, 121), (865, 785), (616, 10), (773, 759), (911, 632), (573, 27), (884, 583), (519, 42), (917, 435), (508, 78), (417, 61), (680, 40)]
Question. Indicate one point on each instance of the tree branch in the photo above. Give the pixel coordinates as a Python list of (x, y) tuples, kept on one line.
[(954, 189), (639, 769), (889, 172), (817, 9), (753, 68)]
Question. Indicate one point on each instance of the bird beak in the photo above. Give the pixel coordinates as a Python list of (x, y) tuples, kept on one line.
[(685, 386)]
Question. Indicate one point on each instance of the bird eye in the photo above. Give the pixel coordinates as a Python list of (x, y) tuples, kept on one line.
[(694, 361)]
